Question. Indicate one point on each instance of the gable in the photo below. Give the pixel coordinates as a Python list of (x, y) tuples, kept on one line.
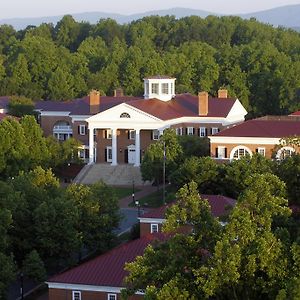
[(237, 112), (124, 115)]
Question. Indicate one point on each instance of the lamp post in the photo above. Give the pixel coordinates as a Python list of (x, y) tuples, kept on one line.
[(164, 174), (22, 285)]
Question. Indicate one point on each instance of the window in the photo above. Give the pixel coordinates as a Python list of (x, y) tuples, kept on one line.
[(124, 115), (285, 152), (214, 130), (108, 134), (81, 153), (108, 154), (112, 297), (82, 129), (154, 88), (179, 131), (147, 88), (239, 152), (190, 131), (261, 151), (222, 152), (155, 134), (165, 88), (132, 134), (76, 295), (154, 228), (202, 131)]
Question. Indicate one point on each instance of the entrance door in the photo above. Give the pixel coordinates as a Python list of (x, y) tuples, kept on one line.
[(109, 154), (131, 154)]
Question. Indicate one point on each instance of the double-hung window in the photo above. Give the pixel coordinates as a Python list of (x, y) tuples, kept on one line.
[(179, 131), (155, 134), (76, 295), (202, 131), (190, 131), (154, 228), (109, 134), (112, 297), (132, 134), (214, 130)]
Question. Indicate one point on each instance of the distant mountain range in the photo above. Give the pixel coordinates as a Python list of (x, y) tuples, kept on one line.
[(286, 16)]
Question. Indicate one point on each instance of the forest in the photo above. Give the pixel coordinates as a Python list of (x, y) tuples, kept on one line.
[(257, 63)]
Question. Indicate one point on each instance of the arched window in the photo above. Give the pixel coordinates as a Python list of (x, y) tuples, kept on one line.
[(125, 115), (284, 152), (239, 152)]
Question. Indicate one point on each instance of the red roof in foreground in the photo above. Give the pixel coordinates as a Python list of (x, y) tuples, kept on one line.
[(219, 207), (183, 105), (107, 269), (263, 128), (296, 113)]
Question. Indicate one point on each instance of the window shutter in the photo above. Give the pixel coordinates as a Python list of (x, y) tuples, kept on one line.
[(186, 131), (193, 131), (256, 150), (206, 132), (128, 136), (85, 129), (126, 155), (225, 152), (198, 131), (78, 129), (216, 153), (105, 154), (210, 130), (151, 135)]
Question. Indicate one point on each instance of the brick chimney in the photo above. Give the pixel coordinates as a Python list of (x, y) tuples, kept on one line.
[(118, 92), (94, 102), (202, 103), (222, 93)]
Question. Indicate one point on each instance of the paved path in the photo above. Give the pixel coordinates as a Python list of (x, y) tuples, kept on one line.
[(144, 191)]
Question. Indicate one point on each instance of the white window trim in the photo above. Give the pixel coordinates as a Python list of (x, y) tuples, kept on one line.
[(73, 295), (163, 91), (108, 134), (221, 154), (281, 150), (132, 134), (155, 134), (214, 130), (190, 130), (82, 129), (109, 295), (179, 131), (263, 149), (154, 226), (237, 148), (107, 151), (202, 131)]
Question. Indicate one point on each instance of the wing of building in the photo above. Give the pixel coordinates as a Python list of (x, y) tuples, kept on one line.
[(263, 135), (118, 129)]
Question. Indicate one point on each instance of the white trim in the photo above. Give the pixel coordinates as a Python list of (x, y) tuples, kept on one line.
[(55, 113), (110, 294), (84, 287), (73, 295), (154, 226), (244, 140), (151, 220), (82, 129), (237, 148)]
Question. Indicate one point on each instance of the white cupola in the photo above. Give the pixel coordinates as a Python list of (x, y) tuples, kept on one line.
[(159, 87)]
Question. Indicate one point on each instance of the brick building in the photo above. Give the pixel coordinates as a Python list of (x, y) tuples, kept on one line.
[(262, 135), (120, 128)]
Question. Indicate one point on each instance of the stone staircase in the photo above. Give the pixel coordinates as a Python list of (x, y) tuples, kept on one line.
[(111, 175)]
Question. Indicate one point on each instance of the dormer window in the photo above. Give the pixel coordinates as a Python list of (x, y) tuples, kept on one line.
[(125, 115), (159, 87), (155, 88)]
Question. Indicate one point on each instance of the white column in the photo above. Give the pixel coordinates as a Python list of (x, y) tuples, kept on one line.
[(137, 148), (91, 145), (114, 146)]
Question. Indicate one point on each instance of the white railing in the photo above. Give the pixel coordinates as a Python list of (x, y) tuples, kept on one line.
[(62, 129)]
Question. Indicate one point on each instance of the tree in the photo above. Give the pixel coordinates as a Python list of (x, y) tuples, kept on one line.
[(20, 106), (98, 214), (33, 267), (252, 257), (167, 148)]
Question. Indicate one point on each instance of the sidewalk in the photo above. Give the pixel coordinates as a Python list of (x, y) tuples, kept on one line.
[(145, 191)]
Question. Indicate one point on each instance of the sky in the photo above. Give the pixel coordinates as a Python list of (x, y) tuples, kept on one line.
[(40, 8)]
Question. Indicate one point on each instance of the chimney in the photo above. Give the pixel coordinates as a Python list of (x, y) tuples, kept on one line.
[(222, 93), (94, 102), (118, 92), (202, 103)]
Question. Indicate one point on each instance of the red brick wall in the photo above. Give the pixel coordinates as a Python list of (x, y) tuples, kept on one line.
[(60, 294)]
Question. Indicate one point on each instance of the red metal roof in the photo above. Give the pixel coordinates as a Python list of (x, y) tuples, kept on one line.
[(219, 207), (296, 113), (269, 128), (183, 105), (107, 269)]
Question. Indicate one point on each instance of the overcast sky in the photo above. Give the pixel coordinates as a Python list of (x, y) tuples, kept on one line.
[(39, 8)]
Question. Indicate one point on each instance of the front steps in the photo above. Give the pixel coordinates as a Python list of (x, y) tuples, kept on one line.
[(112, 175)]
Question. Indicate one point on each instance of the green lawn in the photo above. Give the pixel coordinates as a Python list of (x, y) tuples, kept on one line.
[(123, 192), (156, 199)]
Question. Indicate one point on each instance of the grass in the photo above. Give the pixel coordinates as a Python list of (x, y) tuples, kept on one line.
[(156, 199), (122, 192)]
